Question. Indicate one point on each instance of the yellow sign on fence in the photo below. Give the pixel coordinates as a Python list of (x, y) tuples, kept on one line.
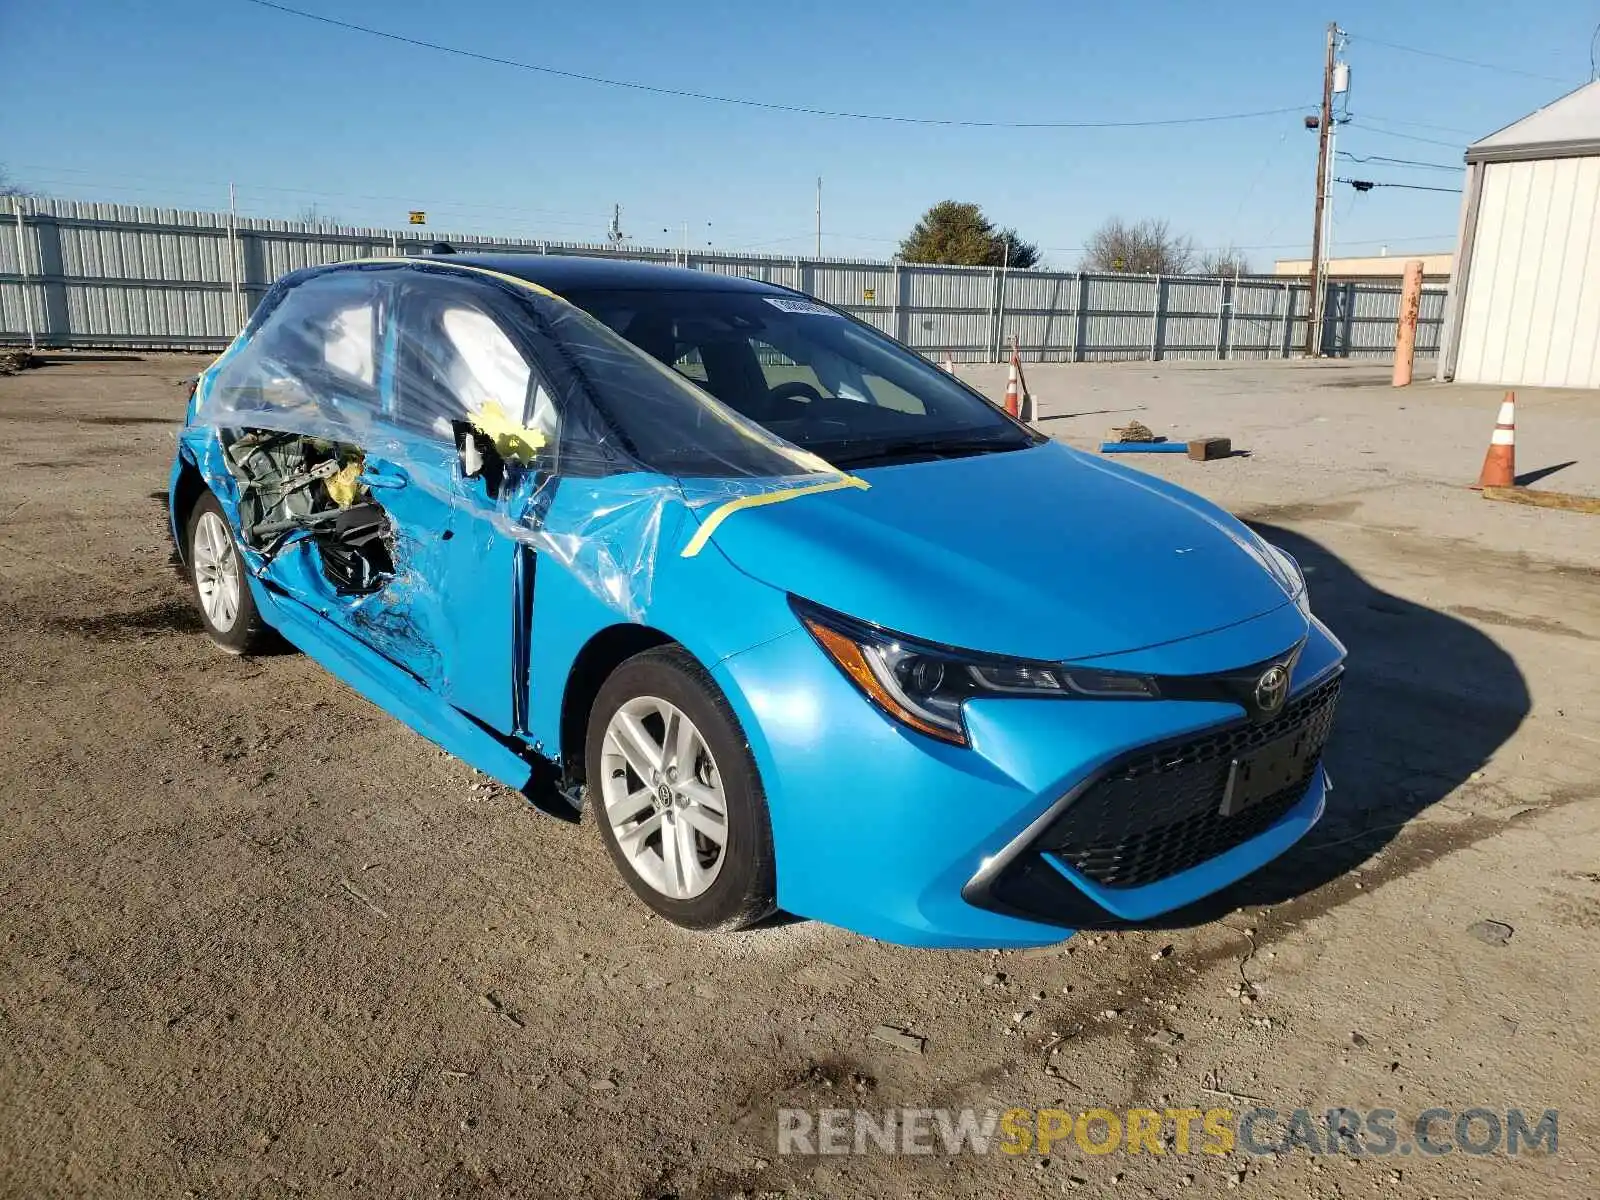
[(418, 217)]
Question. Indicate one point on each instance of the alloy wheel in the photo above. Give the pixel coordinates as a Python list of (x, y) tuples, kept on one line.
[(216, 571), (663, 797)]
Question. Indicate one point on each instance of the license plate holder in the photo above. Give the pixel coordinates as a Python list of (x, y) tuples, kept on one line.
[(1265, 772)]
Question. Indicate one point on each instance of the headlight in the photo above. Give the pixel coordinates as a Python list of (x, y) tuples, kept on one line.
[(925, 685)]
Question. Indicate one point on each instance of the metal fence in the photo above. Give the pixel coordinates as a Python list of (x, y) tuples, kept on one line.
[(80, 274)]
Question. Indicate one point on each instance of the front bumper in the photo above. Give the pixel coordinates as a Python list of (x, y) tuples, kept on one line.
[(1149, 825), (883, 831)]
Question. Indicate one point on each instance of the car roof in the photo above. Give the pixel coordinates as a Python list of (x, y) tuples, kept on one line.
[(562, 273)]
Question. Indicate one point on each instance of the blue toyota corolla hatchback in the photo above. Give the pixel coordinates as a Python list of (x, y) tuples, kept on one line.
[(805, 621)]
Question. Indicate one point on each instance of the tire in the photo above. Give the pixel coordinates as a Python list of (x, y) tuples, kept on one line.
[(217, 577), (716, 765)]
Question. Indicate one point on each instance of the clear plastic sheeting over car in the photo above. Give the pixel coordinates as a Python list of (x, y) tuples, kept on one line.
[(351, 387)]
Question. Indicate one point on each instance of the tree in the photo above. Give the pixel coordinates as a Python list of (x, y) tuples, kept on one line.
[(8, 188), (312, 214), (958, 234), (1224, 262), (1019, 255), (1147, 247)]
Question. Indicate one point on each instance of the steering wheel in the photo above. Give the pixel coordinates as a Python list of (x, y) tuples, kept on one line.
[(795, 389)]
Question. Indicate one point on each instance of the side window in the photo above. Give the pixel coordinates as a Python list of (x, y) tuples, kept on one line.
[(690, 364), (455, 358), (317, 349), (778, 368), (848, 382), (484, 367), (889, 395), (348, 342)]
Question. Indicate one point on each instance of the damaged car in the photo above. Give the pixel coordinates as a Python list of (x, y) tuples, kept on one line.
[(807, 623)]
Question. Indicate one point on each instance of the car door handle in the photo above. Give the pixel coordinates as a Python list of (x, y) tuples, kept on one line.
[(386, 478)]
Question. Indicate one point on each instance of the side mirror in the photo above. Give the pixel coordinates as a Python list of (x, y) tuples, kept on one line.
[(478, 458), (470, 452)]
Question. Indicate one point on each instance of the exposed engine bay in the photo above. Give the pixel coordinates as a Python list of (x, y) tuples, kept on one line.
[(293, 487)]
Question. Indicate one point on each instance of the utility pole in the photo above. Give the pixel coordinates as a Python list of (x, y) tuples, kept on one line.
[(233, 254), (819, 216), (1324, 125), (1000, 302), (22, 271)]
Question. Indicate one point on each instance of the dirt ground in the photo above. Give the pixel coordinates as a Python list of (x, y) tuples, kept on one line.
[(261, 940)]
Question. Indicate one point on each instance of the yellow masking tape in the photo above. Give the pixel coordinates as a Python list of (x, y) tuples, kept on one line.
[(723, 511), (511, 439)]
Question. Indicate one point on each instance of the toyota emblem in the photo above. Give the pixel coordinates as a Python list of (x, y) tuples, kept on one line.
[(1271, 689)]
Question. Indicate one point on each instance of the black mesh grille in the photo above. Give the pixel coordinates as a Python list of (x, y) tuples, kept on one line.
[(1157, 813)]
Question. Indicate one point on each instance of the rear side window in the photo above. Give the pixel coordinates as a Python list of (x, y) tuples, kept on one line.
[(348, 345), (315, 355)]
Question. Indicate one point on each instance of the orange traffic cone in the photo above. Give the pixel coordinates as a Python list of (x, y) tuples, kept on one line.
[(1500, 464), (1013, 391)]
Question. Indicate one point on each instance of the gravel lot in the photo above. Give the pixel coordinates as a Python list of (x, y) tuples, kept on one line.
[(261, 940)]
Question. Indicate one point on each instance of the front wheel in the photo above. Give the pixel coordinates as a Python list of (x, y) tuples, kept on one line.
[(677, 796), (217, 574)]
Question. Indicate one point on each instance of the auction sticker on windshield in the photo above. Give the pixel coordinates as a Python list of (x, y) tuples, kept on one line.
[(800, 306)]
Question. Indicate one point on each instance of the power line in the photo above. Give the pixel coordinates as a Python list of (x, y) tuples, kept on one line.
[(1418, 125), (773, 106), (1366, 185), (1399, 162), (1405, 137), (316, 192), (1255, 180), (1465, 62)]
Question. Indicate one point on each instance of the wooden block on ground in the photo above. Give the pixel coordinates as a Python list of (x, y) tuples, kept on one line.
[(1205, 449), (1566, 500)]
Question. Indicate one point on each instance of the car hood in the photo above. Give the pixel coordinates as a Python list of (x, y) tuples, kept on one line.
[(1041, 553)]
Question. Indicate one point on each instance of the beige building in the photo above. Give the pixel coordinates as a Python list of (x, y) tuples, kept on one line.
[(1436, 266), (1524, 308)]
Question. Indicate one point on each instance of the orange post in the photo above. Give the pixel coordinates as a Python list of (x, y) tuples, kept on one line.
[(1405, 337), (1500, 464)]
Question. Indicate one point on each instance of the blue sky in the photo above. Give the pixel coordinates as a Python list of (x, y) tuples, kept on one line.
[(165, 102)]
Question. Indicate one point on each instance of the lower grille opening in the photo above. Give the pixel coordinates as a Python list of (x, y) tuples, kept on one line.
[(1159, 812)]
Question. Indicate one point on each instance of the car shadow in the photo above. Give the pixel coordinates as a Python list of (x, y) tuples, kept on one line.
[(1427, 701)]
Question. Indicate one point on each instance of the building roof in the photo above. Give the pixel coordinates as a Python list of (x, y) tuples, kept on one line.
[(1564, 128), (1435, 264)]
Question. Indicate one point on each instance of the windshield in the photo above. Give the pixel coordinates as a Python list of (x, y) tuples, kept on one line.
[(808, 374)]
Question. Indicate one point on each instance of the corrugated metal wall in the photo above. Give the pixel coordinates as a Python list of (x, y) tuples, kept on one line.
[(75, 274), (1532, 313)]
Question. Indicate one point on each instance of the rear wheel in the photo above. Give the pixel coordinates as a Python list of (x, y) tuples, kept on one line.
[(676, 794), (221, 591)]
